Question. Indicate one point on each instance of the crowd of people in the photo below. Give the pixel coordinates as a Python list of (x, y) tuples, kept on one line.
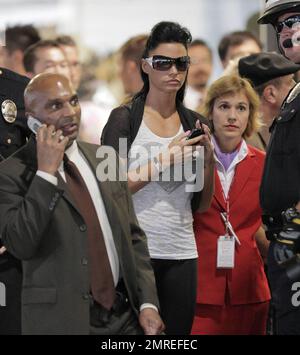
[(94, 239)]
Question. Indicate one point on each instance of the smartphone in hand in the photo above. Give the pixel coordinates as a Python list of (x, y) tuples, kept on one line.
[(196, 132)]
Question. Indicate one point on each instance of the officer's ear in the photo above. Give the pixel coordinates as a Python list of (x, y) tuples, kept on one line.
[(270, 94)]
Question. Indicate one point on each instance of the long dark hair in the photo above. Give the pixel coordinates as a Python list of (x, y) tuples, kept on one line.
[(164, 32)]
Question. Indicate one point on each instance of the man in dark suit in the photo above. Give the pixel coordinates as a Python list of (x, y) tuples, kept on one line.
[(44, 223), (13, 135)]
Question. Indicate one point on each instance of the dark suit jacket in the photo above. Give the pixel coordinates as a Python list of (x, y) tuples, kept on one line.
[(41, 225)]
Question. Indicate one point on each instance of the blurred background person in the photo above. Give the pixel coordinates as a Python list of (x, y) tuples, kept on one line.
[(17, 40), (109, 93), (86, 19), (157, 118), (45, 56), (272, 76), (130, 56), (93, 116), (199, 73), (232, 298), (70, 49), (237, 44)]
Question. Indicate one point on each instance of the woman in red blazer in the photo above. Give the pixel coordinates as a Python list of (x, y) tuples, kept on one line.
[(233, 296)]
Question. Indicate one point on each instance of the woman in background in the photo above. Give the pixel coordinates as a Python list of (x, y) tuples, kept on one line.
[(233, 294)]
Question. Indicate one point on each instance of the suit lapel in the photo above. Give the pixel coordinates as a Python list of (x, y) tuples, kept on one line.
[(243, 171), (63, 186)]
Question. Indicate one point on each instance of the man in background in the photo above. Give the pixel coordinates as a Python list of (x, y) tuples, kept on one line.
[(93, 116), (237, 44), (272, 76), (45, 56), (17, 40), (199, 73), (70, 49), (130, 55)]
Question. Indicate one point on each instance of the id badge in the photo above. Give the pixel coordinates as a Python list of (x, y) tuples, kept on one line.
[(225, 254)]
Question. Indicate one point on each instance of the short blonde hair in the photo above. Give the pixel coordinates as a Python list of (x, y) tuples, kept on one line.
[(232, 84)]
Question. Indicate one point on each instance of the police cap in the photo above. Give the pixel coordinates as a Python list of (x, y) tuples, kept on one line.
[(262, 67)]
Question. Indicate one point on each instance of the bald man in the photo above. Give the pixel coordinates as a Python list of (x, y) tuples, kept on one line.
[(43, 223)]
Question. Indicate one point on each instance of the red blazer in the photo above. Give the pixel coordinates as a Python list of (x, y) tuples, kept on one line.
[(246, 283)]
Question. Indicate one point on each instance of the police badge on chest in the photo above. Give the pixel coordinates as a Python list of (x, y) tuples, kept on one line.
[(9, 111)]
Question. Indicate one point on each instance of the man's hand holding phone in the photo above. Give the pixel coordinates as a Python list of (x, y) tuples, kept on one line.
[(50, 148)]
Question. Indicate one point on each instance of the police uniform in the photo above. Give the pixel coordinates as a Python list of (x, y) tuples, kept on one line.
[(13, 126), (13, 134), (280, 190)]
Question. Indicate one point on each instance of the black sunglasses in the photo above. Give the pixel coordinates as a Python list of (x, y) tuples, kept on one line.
[(162, 63), (288, 22)]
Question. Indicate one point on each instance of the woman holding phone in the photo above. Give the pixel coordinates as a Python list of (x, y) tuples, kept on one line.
[(156, 120)]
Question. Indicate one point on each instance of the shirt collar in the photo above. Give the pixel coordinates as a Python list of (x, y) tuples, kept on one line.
[(71, 153), (72, 150), (243, 152)]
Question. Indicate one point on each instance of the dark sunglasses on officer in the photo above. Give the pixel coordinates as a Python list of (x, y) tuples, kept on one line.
[(288, 22)]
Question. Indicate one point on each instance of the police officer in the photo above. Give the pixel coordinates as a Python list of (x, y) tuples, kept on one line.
[(13, 134), (280, 189)]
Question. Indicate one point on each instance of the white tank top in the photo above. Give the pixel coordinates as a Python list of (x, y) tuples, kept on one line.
[(163, 209)]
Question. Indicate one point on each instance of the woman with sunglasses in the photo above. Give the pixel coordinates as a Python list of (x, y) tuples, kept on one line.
[(156, 120), (233, 294)]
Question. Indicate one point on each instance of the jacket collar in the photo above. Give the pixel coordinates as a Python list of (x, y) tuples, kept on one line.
[(242, 172), (187, 117)]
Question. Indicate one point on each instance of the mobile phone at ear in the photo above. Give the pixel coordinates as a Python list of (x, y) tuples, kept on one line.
[(34, 124)]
